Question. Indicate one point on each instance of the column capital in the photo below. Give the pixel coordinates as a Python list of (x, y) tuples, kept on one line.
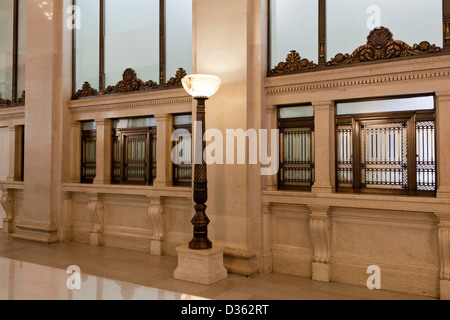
[(102, 121), (325, 104), (443, 95), (271, 108), (163, 116)]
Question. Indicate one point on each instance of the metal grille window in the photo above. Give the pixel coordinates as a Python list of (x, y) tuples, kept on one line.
[(134, 151), (88, 152), (296, 125), (387, 152), (182, 167)]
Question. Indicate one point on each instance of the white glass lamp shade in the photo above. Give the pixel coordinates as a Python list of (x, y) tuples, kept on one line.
[(201, 85)]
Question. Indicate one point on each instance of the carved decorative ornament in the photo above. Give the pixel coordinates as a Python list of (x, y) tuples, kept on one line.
[(176, 81), (86, 91), (15, 102), (130, 83), (381, 45), (294, 63)]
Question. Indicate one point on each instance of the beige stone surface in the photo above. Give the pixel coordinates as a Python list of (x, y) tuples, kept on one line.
[(445, 290), (262, 229), (200, 266)]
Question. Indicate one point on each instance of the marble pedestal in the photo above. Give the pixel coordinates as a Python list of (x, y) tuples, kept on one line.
[(200, 266)]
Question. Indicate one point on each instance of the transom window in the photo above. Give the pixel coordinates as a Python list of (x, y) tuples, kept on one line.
[(12, 52), (387, 146), (153, 38), (296, 125), (316, 34)]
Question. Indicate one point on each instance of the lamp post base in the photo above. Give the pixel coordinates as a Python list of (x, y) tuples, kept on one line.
[(200, 223), (200, 266)]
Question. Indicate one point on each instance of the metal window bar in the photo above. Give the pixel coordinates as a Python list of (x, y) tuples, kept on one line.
[(426, 156), (345, 156), (297, 157), (384, 156)]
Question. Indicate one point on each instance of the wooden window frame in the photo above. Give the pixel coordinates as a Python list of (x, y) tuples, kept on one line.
[(411, 117), (122, 135), (305, 122)]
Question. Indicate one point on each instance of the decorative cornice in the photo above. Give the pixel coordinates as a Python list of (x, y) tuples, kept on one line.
[(360, 81), (14, 103), (176, 81), (129, 83), (294, 63), (380, 46)]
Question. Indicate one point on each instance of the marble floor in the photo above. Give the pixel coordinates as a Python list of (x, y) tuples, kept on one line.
[(33, 271)]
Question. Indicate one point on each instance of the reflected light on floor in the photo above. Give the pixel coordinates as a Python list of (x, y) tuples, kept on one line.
[(25, 281)]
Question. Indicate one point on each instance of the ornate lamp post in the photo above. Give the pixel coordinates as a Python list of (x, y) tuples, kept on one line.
[(201, 87)]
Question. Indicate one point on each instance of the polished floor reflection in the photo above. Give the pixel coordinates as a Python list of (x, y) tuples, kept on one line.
[(27, 281), (31, 271)]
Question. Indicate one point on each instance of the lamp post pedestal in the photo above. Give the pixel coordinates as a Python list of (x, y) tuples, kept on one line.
[(200, 266)]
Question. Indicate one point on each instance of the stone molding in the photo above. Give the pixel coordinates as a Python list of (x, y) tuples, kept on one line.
[(357, 82), (128, 105)]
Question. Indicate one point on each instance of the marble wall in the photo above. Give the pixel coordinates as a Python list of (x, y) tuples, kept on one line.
[(318, 234)]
